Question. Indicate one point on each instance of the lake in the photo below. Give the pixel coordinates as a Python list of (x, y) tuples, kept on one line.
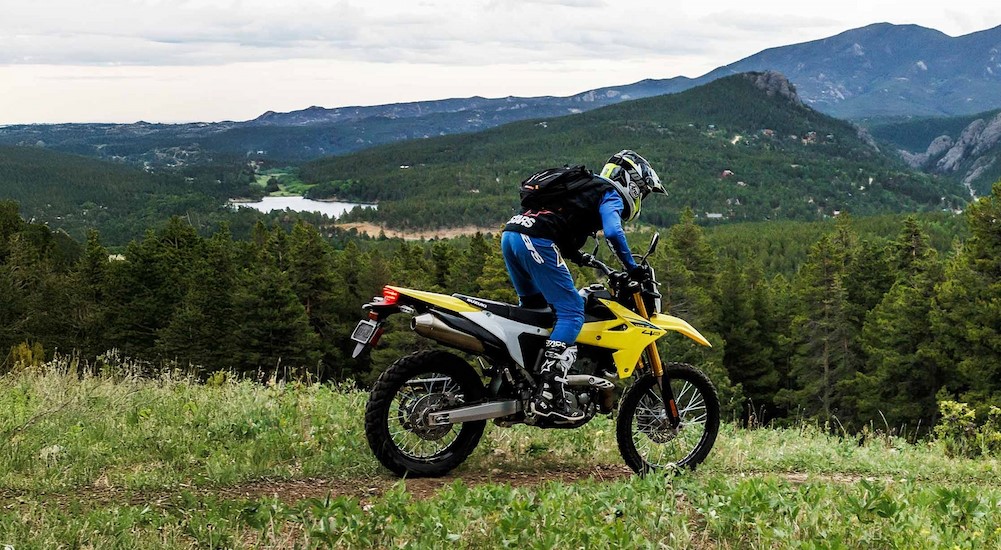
[(300, 204)]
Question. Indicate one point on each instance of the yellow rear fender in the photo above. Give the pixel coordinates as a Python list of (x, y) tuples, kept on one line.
[(443, 301), (674, 324)]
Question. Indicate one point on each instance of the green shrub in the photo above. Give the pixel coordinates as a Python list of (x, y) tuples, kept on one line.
[(26, 355), (962, 436)]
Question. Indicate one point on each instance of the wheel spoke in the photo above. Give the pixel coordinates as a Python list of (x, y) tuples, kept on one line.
[(659, 445), (415, 400)]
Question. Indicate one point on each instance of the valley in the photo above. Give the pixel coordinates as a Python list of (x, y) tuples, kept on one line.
[(178, 371)]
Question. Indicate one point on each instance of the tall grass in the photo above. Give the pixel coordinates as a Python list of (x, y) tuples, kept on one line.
[(64, 429), (67, 434)]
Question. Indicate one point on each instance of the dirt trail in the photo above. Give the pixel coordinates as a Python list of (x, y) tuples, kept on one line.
[(367, 489), (373, 230), (292, 491)]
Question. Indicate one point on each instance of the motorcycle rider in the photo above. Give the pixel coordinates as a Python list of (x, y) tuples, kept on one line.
[(535, 243)]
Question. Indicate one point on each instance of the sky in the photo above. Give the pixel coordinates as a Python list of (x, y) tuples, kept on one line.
[(212, 60)]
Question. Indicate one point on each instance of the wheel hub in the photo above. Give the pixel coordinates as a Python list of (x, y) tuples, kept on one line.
[(656, 426), (417, 411)]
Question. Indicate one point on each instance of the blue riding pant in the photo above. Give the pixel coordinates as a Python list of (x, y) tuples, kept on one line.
[(536, 266)]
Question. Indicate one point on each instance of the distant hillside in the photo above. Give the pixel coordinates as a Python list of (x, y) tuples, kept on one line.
[(741, 148), (76, 193), (966, 148), (478, 112), (314, 132)]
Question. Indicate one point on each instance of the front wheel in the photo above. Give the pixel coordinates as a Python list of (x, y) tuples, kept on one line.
[(404, 395), (646, 439)]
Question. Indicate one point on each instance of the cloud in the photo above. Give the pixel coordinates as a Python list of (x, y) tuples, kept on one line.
[(123, 32), (751, 22), (449, 32), (564, 3)]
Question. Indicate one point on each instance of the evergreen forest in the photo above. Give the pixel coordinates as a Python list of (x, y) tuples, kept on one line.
[(851, 321), (872, 317)]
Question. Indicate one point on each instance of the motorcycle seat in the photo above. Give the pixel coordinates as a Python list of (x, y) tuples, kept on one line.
[(543, 318)]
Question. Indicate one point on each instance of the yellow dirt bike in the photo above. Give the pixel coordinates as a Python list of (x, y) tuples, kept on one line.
[(427, 411)]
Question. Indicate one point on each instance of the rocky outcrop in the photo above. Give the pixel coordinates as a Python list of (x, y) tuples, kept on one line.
[(775, 83), (971, 156), (939, 145), (989, 136), (982, 165), (866, 137), (955, 156)]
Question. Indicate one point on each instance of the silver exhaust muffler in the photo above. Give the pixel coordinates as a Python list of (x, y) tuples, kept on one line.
[(589, 380), (432, 327)]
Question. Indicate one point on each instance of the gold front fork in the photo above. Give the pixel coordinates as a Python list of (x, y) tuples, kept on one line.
[(652, 353), (657, 367)]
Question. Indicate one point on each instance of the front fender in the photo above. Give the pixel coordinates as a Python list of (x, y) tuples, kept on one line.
[(669, 322)]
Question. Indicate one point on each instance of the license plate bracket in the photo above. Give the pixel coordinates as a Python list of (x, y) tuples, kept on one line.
[(364, 331)]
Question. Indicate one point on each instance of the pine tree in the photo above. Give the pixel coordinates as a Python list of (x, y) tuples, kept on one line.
[(748, 358), (89, 298), (274, 334), (314, 282), (410, 268), (868, 276), (777, 328), (442, 262), (688, 241), (494, 282), (42, 295), (202, 329), (911, 247), (685, 267), (10, 223), (967, 312), (146, 289), (899, 382), (822, 333), (13, 307), (468, 268)]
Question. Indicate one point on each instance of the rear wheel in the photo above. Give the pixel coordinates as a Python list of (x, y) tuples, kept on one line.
[(646, 439), (399, 405)]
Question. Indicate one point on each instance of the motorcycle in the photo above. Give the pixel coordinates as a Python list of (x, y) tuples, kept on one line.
[(427, 411)]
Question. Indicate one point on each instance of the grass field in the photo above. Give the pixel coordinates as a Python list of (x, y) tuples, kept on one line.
[(116, 461), (288, 182)]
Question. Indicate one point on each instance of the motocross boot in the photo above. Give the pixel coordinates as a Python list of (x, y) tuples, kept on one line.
[(550, 399)]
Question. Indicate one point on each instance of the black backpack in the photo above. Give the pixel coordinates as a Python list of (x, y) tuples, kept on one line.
[(550, 187)]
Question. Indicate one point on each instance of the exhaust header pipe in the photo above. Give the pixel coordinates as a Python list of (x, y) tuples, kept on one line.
[(432, 327)]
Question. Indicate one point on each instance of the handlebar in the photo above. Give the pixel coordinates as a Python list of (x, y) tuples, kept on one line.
[(591, 261)]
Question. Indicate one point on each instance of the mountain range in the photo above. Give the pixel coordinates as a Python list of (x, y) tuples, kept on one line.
[(888, 70), (743, 147), (876, 71)]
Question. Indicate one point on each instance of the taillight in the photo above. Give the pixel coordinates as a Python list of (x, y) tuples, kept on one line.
[(389, 296)]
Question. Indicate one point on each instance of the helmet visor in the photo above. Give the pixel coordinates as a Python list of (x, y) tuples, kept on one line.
[(651, 181)]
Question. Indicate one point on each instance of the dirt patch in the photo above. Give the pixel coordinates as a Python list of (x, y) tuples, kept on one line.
[(373, 230), (368, 489), (427, 487), (292, 491), (842, 478)]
